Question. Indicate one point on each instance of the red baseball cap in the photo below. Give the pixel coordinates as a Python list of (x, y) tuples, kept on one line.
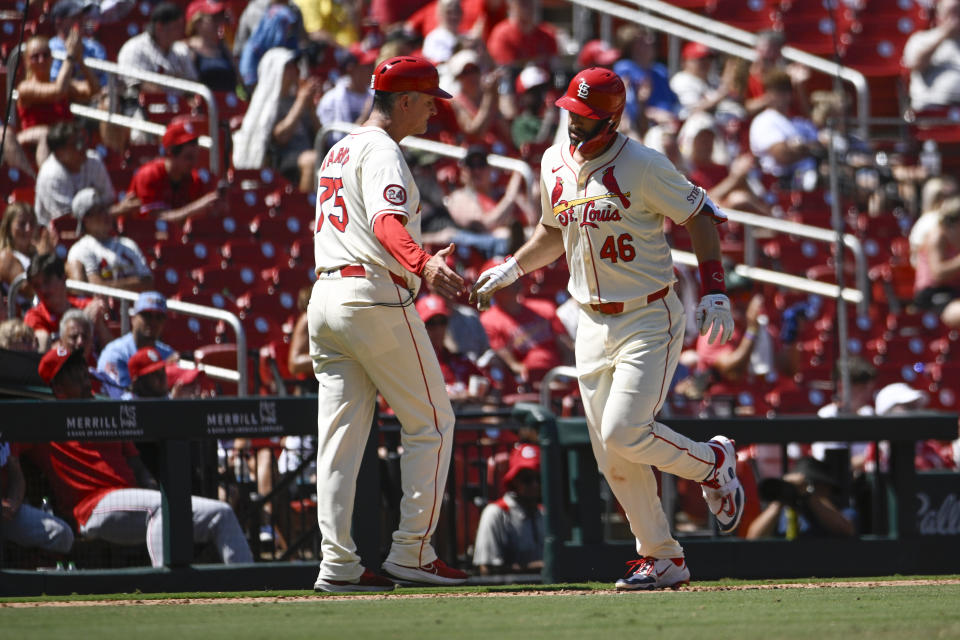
[(597, 53), (181, 130), (145, 361), (695, 51), (177, 374), (52, 361), (524, 456), (208, 7), (432, 305)]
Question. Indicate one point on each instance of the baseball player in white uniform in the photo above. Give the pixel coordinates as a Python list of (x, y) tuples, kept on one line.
[(604, 198), (365, 334)]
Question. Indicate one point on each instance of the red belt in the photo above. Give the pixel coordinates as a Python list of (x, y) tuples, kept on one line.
[(358, 271), (613, 308)]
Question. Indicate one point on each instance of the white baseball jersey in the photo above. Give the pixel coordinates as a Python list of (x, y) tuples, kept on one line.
[(611, 212), (363, 177)]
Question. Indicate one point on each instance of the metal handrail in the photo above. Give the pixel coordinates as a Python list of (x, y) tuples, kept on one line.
[(829, 236), (714, 38), (443, 149), (170, 82), (563, 371), (186, 308)]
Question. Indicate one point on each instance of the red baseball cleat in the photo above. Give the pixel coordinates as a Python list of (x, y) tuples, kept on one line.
[(437, 572), (368, 582)]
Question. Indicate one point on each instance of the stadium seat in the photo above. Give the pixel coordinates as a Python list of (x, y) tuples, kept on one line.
[(211, 228), (258, 253), (279, 228), (749, 15), (231, 282), (187, 256)]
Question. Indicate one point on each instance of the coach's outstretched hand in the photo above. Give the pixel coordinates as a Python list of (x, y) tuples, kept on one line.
[(441, 279), (493, 279)]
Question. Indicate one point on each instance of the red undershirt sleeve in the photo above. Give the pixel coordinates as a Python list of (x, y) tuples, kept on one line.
[(396, 239)]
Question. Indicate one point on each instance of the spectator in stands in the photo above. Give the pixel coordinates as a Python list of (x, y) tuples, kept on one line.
[(351, 97), (510, 534), (783, 146), (935, 191), (42, 102), (110, 492), (490, 225), (67, 16), (71, 166), (442, 41), (801, 504), (525, 333), (159, 49), (281, 27), (100, 256), (15, 335), (148, 374), (937, 284), (211, 58), (169, 188), (695, 86), (281, 122), (21, 238), (250, 18), (536, 123), (477, 104), (767, 59), (389, 13), (931, 56), (49, 281), (331, 22), (519, 40), (148, 317), (76, 334), (299, 361), (13, 154), (897, 399), (464, 380), (648, 82), (20, 522), (726, 184)]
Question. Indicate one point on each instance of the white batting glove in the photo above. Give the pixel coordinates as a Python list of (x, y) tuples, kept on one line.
[(713, 315), (494, 279)]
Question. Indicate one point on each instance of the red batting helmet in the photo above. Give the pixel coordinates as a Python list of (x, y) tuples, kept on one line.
[(595, 93), (408, 73)]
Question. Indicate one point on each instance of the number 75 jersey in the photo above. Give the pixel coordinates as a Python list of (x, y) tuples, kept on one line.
[(610, 211), (363, 177)]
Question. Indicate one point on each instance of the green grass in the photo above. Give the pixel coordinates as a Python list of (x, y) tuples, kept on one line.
[(853, 612)]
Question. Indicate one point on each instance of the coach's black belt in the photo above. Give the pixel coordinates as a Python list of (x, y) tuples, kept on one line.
[(614, 308), (359, 271)]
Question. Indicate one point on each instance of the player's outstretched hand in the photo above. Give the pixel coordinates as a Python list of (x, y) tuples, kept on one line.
[(713, 315), (443, 280), (493, 279)]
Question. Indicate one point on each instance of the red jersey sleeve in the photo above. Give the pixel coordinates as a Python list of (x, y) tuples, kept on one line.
[(396, 239)]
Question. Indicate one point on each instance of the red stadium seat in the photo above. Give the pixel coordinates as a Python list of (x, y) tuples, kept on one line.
[(259, 253), (232, 283), (280, 228), (750, 15), (187, 256)]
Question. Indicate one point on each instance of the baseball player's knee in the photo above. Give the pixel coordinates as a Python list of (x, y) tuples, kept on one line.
[(623, 435)]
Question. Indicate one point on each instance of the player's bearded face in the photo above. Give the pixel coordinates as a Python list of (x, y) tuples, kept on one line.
[(581, 129)]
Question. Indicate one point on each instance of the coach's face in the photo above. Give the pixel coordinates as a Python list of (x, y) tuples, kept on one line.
[(420, 108)]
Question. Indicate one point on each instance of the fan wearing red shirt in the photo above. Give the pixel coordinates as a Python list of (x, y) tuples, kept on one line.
[(463, 379), (108, 489), (518, 40), (525, 332), (169, 188), (47, 275)]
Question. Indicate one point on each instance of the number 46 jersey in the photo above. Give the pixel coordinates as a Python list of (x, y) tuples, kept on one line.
[(363, 177), (611, 210)]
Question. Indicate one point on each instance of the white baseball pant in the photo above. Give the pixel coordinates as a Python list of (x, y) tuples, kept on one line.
[(625, 364), (359, 348)]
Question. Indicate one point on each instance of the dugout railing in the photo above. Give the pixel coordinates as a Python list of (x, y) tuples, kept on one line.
[(924, 517), (920, 535)]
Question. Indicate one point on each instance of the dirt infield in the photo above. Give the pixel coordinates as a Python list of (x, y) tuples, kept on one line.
[(133, 601)]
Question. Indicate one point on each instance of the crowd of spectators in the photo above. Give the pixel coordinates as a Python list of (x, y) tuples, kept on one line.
[(748, 132)]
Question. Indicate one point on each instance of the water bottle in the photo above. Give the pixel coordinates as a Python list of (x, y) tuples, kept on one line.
[(930, 158)]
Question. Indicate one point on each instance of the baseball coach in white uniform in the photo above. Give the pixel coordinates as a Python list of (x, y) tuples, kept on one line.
[(365, 334), (604, 198)]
